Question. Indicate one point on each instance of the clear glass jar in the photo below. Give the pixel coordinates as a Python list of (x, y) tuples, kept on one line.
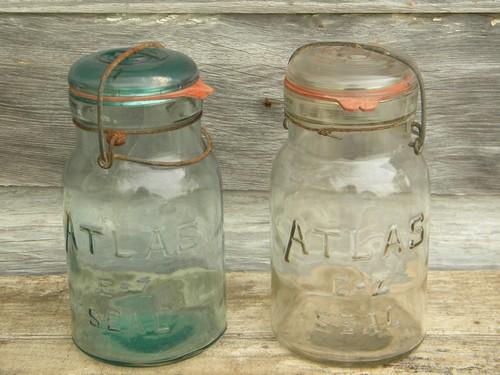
[(349, 207), (144, 243)]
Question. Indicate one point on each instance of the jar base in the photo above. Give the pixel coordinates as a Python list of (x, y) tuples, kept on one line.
[(155, 363), (343, 361), (356, 328)]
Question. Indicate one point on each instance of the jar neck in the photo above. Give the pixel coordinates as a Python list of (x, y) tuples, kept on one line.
[(170, 145), (353, 144), (174, 145)]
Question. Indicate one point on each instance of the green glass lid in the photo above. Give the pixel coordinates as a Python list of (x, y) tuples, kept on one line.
[(150, 74)]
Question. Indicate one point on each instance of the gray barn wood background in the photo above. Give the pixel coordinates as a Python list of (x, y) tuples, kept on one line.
[(242, 48)]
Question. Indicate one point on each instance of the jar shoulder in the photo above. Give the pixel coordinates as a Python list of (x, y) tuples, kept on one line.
[(395, 172), (85, 175)]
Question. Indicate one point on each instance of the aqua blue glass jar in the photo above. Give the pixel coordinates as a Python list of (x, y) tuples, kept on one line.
[(142, 209)]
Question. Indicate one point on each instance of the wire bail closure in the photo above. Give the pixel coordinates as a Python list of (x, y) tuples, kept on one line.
[(110, 138), (417, 128)]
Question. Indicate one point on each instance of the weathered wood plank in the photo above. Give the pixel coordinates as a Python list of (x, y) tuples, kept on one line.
[(34, 331), (248, 6), (244, 57), (465, 231), (437, 355)]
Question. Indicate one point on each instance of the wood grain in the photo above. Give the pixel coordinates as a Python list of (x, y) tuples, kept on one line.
[(35, 331), (465, 231), (244, 57), (249, 6)]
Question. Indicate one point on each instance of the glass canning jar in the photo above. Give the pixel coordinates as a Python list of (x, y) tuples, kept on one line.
[(350, 206), (143, 209)]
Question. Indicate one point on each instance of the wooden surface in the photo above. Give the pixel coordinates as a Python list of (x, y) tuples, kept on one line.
[(465, 231), (250, 6), (463, 334), (244, 57)]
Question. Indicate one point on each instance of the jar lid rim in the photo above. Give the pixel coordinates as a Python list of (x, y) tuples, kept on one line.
[(198, 90), (357, 100)]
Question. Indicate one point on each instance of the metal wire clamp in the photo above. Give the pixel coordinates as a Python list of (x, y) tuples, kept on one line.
[(111, 138), (417, 129)]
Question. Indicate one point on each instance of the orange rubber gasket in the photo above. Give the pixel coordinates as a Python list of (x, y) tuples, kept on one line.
[(199, 90), (356, 100)]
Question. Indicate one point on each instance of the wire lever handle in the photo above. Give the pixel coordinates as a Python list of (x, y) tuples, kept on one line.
[(110, 138), (418, 129)]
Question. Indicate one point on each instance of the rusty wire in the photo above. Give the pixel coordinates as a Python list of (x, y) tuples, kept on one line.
[(117, 137), (418, 129), (327, 131)]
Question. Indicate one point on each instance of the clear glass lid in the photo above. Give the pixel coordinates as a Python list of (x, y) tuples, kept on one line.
[(354, 77), (339, 86)]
